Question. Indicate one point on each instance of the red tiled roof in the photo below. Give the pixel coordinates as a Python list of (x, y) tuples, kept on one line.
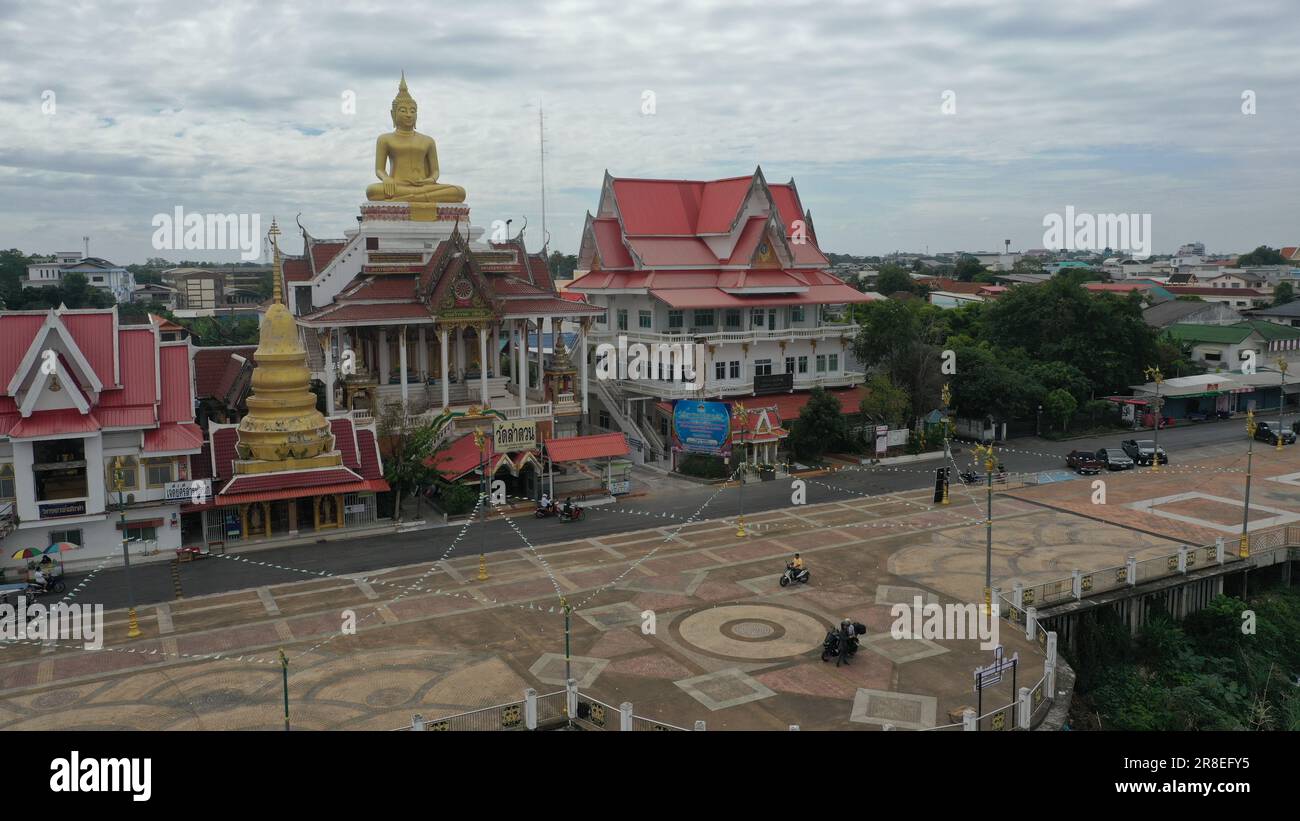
[(48, 423), (368, 448), (285, 479), (177, 379), (16, 334), (210, 366), (223, 444), (550, 305), (577, 448), (345, 441), (170, 437), (716, 298), (93, 333), (323, 252), (609, 242), (1195, 290), (296, 269), (381, 287), (228, 375), (201, 464), (139, 386), (788, 405), (296, 492), (541, 272), (139, 416), (461, 457), (352, 312)]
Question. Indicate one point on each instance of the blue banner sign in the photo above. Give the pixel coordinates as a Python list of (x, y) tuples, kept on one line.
[(701, 427)]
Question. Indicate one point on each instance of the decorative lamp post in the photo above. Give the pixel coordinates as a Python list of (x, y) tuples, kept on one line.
[(1281, 400), (1245, 514), (947, 431), (119, 483), (743, 416), (1157, 377), (985, 452)]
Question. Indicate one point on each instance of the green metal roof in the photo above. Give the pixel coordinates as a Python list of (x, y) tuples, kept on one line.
[(1231, 334)]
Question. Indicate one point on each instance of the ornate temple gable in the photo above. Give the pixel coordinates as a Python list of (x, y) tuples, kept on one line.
[(453, 286), (31, 379), (588, 249), (608, 206)]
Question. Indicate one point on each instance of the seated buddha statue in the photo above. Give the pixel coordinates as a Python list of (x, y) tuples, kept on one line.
[(406, 161)]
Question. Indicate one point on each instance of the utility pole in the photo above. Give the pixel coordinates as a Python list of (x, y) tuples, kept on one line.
[(1244, 552), (743, 416), (947, 449), (986, 452), (284, 673), (1281, 400)]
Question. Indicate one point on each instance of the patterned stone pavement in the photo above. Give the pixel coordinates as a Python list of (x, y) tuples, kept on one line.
[(728, 646)]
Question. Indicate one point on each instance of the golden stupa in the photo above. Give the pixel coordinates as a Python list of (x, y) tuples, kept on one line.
[(283, 429)]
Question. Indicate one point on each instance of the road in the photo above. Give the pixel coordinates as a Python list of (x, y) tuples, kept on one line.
[(153, 583)]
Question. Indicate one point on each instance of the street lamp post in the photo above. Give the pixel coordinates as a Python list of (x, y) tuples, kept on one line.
[(133, 625), (947, 448), (1244, 552), (1281, 400), (1155, 375), (743, 416), (986, 451), (1038, 430)]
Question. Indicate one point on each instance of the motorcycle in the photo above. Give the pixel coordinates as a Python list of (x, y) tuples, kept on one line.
[(547, 511), (53, 584), (572, 515), (792, 575), (831, 644), (969, 477)]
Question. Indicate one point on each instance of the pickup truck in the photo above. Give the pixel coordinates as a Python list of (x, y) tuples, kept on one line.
[(1084, 462), (1144, 451), (1264, 433)]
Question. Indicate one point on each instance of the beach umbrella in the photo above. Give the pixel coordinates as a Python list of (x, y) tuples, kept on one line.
[(60, 547), (27, 553)]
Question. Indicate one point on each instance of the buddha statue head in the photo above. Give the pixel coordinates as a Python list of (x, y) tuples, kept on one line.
[(404, 110)]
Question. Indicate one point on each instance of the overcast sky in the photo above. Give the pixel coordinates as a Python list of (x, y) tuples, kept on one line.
[(1110, 107)]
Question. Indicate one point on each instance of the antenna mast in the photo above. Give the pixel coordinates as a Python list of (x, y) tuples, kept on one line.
[(541, 146)]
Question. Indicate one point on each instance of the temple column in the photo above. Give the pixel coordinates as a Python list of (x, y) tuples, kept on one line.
[(384, 369), (482, 364), (422, 358), (541, 323), (401, 363), (442, 350), (582, 349), (460, 353), (510, 357), (329, 377), (523, 367)]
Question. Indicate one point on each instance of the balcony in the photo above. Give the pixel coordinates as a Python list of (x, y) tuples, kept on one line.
[(709, 336)]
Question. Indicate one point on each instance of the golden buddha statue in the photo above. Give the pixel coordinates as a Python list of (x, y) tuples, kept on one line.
[(406, 161)]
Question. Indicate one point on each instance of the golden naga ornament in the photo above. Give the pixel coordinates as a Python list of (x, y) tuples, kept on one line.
[(406, 161)]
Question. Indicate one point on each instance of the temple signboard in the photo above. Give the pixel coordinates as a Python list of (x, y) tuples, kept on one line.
[(508, 435), (773, 383)]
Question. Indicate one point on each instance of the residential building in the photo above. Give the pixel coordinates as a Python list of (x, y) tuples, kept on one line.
[(99, 273), (208, 289), (732, 265), (1240, 298), (82, 392), (1288, 314), (1223, 347), (1191, 312)]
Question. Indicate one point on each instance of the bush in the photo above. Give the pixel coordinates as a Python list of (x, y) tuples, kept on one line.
[(703, 465), (455, 499)]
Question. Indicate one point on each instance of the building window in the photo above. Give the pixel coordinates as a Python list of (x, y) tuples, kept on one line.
[(821, 363), (130, 473), (733, 318), (762, 367), (1213, 356), (622, 319), (645, 319), (160, 472), (603, 419), (702, 319), (7, 481), (735, 369), (789, 364), (674, 320), (803, 364), (141, 534), (59, 468), (796, 313), (720, 370), (756, 318), (834, 363), (70, 536), (663, 426)]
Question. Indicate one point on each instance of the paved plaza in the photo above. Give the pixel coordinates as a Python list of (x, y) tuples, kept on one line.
[(729, 646)]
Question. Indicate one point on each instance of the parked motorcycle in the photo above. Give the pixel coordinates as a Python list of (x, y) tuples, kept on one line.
[(831, 644), (792, 575)]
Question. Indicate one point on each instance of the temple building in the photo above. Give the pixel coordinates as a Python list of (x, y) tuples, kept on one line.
[(411, 309), (729, 265), (284, 469), (86, 402)]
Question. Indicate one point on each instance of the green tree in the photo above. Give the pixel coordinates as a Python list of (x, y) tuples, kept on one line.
[(411, 460), (1028, 265), (1263, 255), (821, 426), (901, 339), (1060, 405), (885, 402), (1283, 293), (967, 267), (893, 278)]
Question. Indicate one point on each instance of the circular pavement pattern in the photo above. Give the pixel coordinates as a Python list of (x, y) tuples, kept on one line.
[(757, 632)]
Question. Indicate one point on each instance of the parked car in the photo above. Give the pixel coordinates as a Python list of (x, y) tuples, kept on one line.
[(1114, 459), (1264, 433), (1143, 451), (1084, 462)]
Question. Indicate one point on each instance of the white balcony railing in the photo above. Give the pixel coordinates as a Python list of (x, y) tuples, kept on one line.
[(713, 337)]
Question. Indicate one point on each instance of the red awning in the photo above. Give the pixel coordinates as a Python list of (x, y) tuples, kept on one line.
[(578, 448), (52, 422), (139, 523)]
